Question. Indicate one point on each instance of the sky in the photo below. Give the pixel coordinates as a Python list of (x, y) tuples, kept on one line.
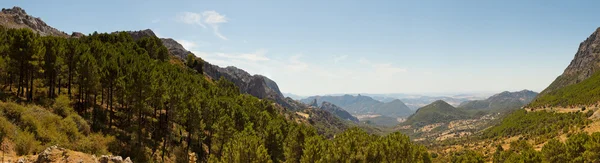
[(329, 47)]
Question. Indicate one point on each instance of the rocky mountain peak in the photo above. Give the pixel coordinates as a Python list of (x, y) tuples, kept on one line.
[(587, 57), (141, 33), (585, 63), (16, 17), (16, 10), (175, 48)]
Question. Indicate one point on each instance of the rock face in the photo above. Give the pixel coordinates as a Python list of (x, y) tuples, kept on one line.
[(584, 65), (337, 111), (175, 48), (502, 101), (18, 18), (315, 104), (255, 85)]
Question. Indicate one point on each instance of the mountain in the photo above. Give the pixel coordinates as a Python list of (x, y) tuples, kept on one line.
[(255, 85), (501, 101), (339, 112), (394, 108), (436, 112), (415, 101), (16, 17), (580, 82), (418, 102), (294, 96), (364, 105)]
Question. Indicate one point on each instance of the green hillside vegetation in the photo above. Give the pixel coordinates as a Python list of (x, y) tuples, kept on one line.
[(129, 98), (381, 121), (501, 102), (31, 127), (586, 92), (539, 125), (577, 148), (436, 112)]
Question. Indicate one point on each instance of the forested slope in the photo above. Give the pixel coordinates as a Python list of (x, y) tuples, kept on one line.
[(160, 109)]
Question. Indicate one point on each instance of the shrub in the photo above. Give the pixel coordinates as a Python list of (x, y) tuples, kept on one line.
[(26, 143), (95, 144), (62, 106)]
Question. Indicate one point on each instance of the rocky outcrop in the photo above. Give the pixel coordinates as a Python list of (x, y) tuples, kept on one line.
[(58, 154), (314, 103), (136, 35), (175, 48), (585, 63), (16, 17), (255, 85), (113, 159), (337, 111)]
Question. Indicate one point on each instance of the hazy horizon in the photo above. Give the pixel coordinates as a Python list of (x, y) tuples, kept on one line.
[(333, 47)]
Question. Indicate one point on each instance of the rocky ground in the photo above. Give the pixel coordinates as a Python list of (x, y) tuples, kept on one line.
[(55, 154)]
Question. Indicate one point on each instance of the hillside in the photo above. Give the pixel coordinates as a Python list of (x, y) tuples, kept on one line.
[(339, 112), (362, 105), (578, 85), (501, 101), (255, 85), (436, 112), (122, 93)]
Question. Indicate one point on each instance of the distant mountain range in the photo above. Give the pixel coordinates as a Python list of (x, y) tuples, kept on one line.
[(415, 101), (442, 112), (294, 96), (502, 101), (360, 105)]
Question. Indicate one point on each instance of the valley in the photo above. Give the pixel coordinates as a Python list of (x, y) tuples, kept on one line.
[(139, 96)]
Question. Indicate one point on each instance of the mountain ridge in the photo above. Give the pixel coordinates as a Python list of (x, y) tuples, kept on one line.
[(364, 105), (339, 112), (501, 101)]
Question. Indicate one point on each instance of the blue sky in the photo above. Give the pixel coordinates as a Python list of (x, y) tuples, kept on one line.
[(323, 47)]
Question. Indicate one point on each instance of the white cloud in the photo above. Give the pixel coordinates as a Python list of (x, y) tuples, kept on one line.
[(191, 18), (382, 68), (258, 55), (339, 58), (210, 18), (213, 18), (295, 64), (189, 45)]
